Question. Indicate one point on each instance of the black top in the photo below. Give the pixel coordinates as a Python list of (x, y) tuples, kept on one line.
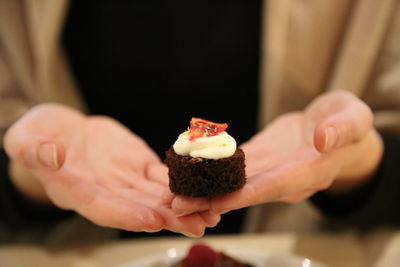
[(154, 64), (374, 203)]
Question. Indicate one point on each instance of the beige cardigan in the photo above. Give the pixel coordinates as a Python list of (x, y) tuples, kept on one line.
[(309, 46)]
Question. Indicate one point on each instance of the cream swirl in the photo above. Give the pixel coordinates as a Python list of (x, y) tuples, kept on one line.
[(211, 147)]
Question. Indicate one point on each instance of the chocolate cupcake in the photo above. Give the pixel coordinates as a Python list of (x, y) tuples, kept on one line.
[(205, 161)]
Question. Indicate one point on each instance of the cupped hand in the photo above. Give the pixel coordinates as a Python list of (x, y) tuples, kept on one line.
[(98, 168), (331, 145)]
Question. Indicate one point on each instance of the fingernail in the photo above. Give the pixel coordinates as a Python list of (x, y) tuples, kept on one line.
[(330, 138), (150, 230), (181, 214), (47, 155), (188, 234)]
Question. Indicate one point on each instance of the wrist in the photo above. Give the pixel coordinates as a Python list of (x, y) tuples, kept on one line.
[(360, 162)]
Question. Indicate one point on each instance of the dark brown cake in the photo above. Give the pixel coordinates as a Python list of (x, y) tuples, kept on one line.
[(200, 177)]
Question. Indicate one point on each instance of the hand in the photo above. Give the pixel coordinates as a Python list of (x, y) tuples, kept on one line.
[(330, 146), (96, 167)]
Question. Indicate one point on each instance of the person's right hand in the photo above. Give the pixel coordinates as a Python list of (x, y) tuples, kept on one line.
[(98, 168), (330, 146)]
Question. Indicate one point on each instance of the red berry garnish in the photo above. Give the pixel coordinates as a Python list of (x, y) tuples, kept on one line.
[(204, 128), (200, 255)]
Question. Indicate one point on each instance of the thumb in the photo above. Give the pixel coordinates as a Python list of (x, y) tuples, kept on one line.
[(34, 151), (347, 126)]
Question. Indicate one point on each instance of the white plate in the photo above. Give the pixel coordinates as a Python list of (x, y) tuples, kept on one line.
[(256, 257)]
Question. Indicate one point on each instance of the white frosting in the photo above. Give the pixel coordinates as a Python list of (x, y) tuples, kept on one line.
[(211, 147)]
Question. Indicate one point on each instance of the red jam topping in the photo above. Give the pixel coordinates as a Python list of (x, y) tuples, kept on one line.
[(203, 128)]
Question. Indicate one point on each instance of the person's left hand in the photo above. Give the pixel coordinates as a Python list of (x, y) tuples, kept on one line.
[(96, 167), (331, 145)]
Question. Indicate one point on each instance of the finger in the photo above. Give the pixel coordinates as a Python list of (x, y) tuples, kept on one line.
[(167, 197), (269, 186), (35, 151), (158, 173), (137, 183), (182, 205), (236, 200), (192, 225), (210, 218), (296, 198), (258, 189), (105, 209), (35, 139), (347, 126)]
